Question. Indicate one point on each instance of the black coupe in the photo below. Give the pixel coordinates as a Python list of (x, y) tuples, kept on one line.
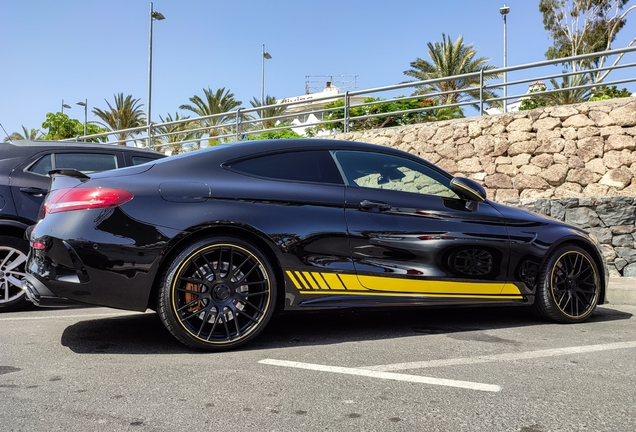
[(220, 239)]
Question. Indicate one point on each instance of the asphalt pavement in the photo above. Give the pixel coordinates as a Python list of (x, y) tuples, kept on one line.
[(622, 290)]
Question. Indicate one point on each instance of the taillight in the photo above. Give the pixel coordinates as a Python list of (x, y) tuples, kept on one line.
[(63, 200)]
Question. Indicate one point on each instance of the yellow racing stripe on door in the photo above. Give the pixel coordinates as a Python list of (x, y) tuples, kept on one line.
[(336, 283)]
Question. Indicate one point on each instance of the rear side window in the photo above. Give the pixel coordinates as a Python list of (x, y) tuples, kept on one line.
[(138, 160), (84, 162), (42, 166), (307, 166)]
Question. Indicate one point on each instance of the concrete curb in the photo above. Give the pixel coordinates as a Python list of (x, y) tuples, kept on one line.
[(622, 291)]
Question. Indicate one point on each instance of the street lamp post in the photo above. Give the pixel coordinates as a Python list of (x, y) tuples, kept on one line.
[(504, 11), (65, 106), (154, 15), (267, 56), (85, 105)]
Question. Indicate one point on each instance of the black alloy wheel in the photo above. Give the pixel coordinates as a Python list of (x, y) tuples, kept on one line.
[(217, 294), (13, 254), (568, 286)]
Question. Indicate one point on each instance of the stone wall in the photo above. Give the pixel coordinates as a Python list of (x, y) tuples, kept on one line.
[(576, 163), (612, 220)]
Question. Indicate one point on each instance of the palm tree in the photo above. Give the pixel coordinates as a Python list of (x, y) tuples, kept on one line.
[(450, 59), (126, 114), (268, 113), (220, 102), (27, 134), (566, 97), (167, 135)]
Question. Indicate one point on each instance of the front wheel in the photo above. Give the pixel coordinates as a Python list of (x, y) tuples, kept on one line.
[(13, 254), (569, 286), (217, 294)]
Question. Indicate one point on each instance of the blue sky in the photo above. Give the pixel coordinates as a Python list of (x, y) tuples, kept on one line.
[(92, 49)]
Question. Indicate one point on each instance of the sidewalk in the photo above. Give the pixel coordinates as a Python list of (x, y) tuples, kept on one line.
[(622, 290)]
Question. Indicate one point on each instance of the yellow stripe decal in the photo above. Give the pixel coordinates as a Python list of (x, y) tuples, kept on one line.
[(310, 279), (293, 279), (322, 283), (333, 281), (413, 295), (431, 287), (337, 283)]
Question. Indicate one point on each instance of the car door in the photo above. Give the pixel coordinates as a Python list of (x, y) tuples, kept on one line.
[(410, 234), (30, 181)]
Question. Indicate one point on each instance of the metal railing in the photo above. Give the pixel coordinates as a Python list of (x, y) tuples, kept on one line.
[(333, 112)]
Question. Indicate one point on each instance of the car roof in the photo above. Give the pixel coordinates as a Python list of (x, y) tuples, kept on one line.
[(21, 147), (236, 150)]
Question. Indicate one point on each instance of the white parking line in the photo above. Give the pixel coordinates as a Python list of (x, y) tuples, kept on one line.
[(503, 357), (384, 375)]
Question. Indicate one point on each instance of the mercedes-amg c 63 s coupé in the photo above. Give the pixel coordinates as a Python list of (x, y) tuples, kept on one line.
[(218, 240)]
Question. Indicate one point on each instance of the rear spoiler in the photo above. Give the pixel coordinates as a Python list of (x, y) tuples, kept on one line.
[(69, 173)]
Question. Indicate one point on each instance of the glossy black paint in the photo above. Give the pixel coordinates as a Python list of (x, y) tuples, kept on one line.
[(112, 257)]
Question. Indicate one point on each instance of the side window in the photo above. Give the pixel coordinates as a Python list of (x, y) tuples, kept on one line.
[(138, 160), (309, 166), (382, 171), (42, 166), (86, 162)]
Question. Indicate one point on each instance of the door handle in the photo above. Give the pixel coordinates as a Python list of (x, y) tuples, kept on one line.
[(368, 205), (33, 191)]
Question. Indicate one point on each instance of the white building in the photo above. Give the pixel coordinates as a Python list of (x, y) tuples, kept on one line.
[(514, 105), (307, 113)]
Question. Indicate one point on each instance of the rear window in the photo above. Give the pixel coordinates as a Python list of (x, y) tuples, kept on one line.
[(84, 162), (307, 166)]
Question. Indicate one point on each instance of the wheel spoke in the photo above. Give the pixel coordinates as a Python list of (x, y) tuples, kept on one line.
[(255, 266), (5, 289), (15, 281), (209, 265), (236, 324), (229, 264), (216, 321), (248, 316), (238, 268), (187, 305), (252, 294), (17, 262), (256, 308), (227, 329), (203, 321)]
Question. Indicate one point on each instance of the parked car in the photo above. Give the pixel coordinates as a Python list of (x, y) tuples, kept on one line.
[(24, 182), (218, 240)]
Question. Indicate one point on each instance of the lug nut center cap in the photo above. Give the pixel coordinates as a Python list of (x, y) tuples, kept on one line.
[(222, 292)]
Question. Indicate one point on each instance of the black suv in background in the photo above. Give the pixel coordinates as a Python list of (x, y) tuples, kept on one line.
[(24, 182)]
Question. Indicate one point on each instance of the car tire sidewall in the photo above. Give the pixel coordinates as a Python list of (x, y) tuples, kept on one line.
[(164, 301)]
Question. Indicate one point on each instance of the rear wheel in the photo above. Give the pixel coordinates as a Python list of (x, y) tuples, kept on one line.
[(13, 254), (217, 294), (569, 286)]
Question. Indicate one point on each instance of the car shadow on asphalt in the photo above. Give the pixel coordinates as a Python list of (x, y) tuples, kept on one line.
[(144, 333)]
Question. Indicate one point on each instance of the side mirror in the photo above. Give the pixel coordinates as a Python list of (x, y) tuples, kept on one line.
[(468, 189)]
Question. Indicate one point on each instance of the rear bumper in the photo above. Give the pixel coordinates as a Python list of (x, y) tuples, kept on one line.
[(40, 295)]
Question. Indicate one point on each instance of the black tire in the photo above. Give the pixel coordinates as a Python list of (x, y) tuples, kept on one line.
[(13, 253), (217, 294), (568, 286)]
